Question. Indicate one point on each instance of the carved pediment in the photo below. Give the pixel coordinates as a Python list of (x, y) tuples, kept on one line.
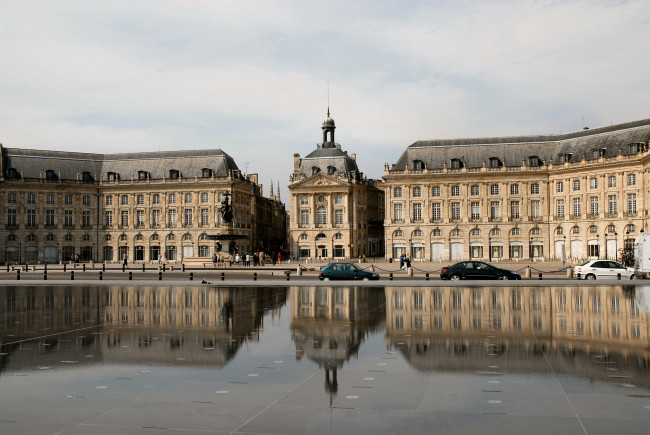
[(320, 180)]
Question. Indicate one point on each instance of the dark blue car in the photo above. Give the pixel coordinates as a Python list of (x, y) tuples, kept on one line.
[(345, 271)]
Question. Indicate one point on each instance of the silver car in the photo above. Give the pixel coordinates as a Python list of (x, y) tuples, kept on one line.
[(599, 269)]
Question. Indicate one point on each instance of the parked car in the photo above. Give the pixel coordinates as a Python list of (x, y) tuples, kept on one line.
[(345, 271), (476, 270), (594, 269)]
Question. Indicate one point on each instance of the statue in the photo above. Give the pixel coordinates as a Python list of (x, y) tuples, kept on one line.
[(226, 209)]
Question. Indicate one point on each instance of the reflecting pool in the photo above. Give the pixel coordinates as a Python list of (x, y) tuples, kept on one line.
[(102, 359)]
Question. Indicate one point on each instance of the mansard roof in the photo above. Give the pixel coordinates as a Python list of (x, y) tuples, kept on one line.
[(68, 165), (475, 152), (324, 158)]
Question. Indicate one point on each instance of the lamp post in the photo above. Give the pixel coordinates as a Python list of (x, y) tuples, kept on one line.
[(564, 252), (20, 252), (598, 246), (530, 249), (449, 248), (490, 248), (616, 245)]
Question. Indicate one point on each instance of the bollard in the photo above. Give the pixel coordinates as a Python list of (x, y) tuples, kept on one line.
[(255, 276), (143, 267), (45, 275), (618, 276), (18, 275), (164, 267), (45, 269), (83, 267), (426, 276), (64, 267), (103, 267), (223, 276), (183, 267), (299, 270), (72, 275), (569, 273), (159, 276), (191, 276), (540, 275), (130, 276), (7, 268), (288, 275), (390, 276), (527, 272), (123, 267), (101, 275)]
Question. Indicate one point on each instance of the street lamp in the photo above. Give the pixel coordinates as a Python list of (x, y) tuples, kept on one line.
[(564, 252), (490, 248), (530, 249), (20, 252), (598, 246), (616, 244)]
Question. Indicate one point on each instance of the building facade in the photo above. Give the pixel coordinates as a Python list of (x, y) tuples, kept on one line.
[(573, 196), (145, 207), (336, 212)]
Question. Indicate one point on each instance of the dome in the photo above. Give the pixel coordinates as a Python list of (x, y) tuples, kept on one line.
[(328, 123)]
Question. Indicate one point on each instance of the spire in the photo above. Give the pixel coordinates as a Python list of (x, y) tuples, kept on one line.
[(271, 194), (279, 192)]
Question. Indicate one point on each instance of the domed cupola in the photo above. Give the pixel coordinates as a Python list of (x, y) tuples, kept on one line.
[(328, 131)]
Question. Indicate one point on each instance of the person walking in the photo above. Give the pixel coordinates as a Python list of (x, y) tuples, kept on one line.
[(401, 262), (280, 257), (125, 261)]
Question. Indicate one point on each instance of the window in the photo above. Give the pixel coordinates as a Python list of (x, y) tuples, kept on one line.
[(535, 209), (67, 199), (50, 175), (31, 218), (304, 217), (187, 217), (495, 162), (417, 192), (474, 190), (338, 236), (534, 161), (321, 216), (593, 183), (494, 189), (535, 231), (455, 190), (475, 208), (205, 216), (456, 164), (12, 198), (436, 211), (398, 233), (418, 165), (171, 213), (514, 210), (108, 218), (631, 203), (495, 210), (155, 198), (435, 191), (338, 199), (633, 148), (31, 198), (67, 218), (417, 212), (139, 200), (397, 212), (155, 218), (124, 221), (576, 185), (476, 232), (593, 229), (206, 173), (85, 219), (49, 198), (611, 229), (338, 217), (171, 198), (437, 233), (577, 208), (593, 205), (612, 205), (576, 230), (12, 174), (560, 231), (559, 187), (397, 192), (611, 181), (515, 231), (559, 208), (174, 174), (534, 189), (188, 198), (631, 179), (124, 199), (304, 200), (455, 210), (514, 189), (49, 218)]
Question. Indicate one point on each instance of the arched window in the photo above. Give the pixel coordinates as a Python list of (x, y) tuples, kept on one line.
[(303, 236), (338, 236), (593, 229), (142, 175), (315, 170), (206, 173), (187, 237), (495, 162), (321, 237), (171, 237), (154, 237), (534, 161), (123, 238), (418, 165), (50, 237), (576, 230), (436, 233), (496, 232), (138, 237), (321, 216), (456, 164), (108, 238), (417, 233), (397, 233), (331, 170), (560, 230)]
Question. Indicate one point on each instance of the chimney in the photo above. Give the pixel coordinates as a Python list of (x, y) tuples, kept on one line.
[(296, 163), (354, 156)]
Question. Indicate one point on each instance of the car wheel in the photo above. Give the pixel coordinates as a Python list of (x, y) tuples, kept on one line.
[(365, 278), (590, 276), (504, 278), (321, 278), (454, 278), (633, 277)]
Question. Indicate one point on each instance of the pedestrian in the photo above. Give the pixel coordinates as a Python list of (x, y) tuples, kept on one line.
[(125, 261), (214, 258), (262, 256), (165, 258), (159, 259), (401, 262), (408, 262), (280, 257), (237, 259)]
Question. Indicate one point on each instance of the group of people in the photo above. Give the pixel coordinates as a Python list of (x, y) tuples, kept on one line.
[(404, 262), (243, 259)]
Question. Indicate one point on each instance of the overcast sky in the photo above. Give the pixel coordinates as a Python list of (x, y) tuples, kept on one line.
[(251, 77)]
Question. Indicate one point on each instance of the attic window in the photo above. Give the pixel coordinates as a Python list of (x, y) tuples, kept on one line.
[(50, 175), (595, 154), (456, 164), (418, 165), (174, 174), (112, 176), (12, 174), (331, 170), (634, 148), (86, 177), (534, 161), (206, 173), (315, 170), (142, 175), (495, 162)]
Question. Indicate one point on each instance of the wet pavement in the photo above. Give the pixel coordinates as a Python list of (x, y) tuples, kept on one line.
[(316, 359)]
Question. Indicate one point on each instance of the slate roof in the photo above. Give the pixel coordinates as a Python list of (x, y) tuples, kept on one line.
[(323, 158), (513, 150), (33, 163)]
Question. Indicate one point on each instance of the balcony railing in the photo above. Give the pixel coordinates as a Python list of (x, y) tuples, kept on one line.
[(514, 218), (630, 214), (495, 219)]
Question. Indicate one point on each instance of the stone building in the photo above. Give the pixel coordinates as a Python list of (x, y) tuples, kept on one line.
[(336, 212), (572, 196), (58, 206)]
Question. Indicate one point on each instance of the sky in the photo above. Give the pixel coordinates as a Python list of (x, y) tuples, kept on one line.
[(255, 78)]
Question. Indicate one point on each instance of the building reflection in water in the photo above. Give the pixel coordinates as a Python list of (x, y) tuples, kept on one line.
[(328, 324), (208, 325), (526, 328)]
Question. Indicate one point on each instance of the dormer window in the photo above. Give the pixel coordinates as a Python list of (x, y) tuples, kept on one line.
[(86, 177), (143, 175), (315, 170), (174, 174), (12, 174), (206, 173), (495, 162), (50, 175), (633, 148), (595, 154), (331, 170), (112, 176), (534, 161), (456, 164), (418, 165)]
